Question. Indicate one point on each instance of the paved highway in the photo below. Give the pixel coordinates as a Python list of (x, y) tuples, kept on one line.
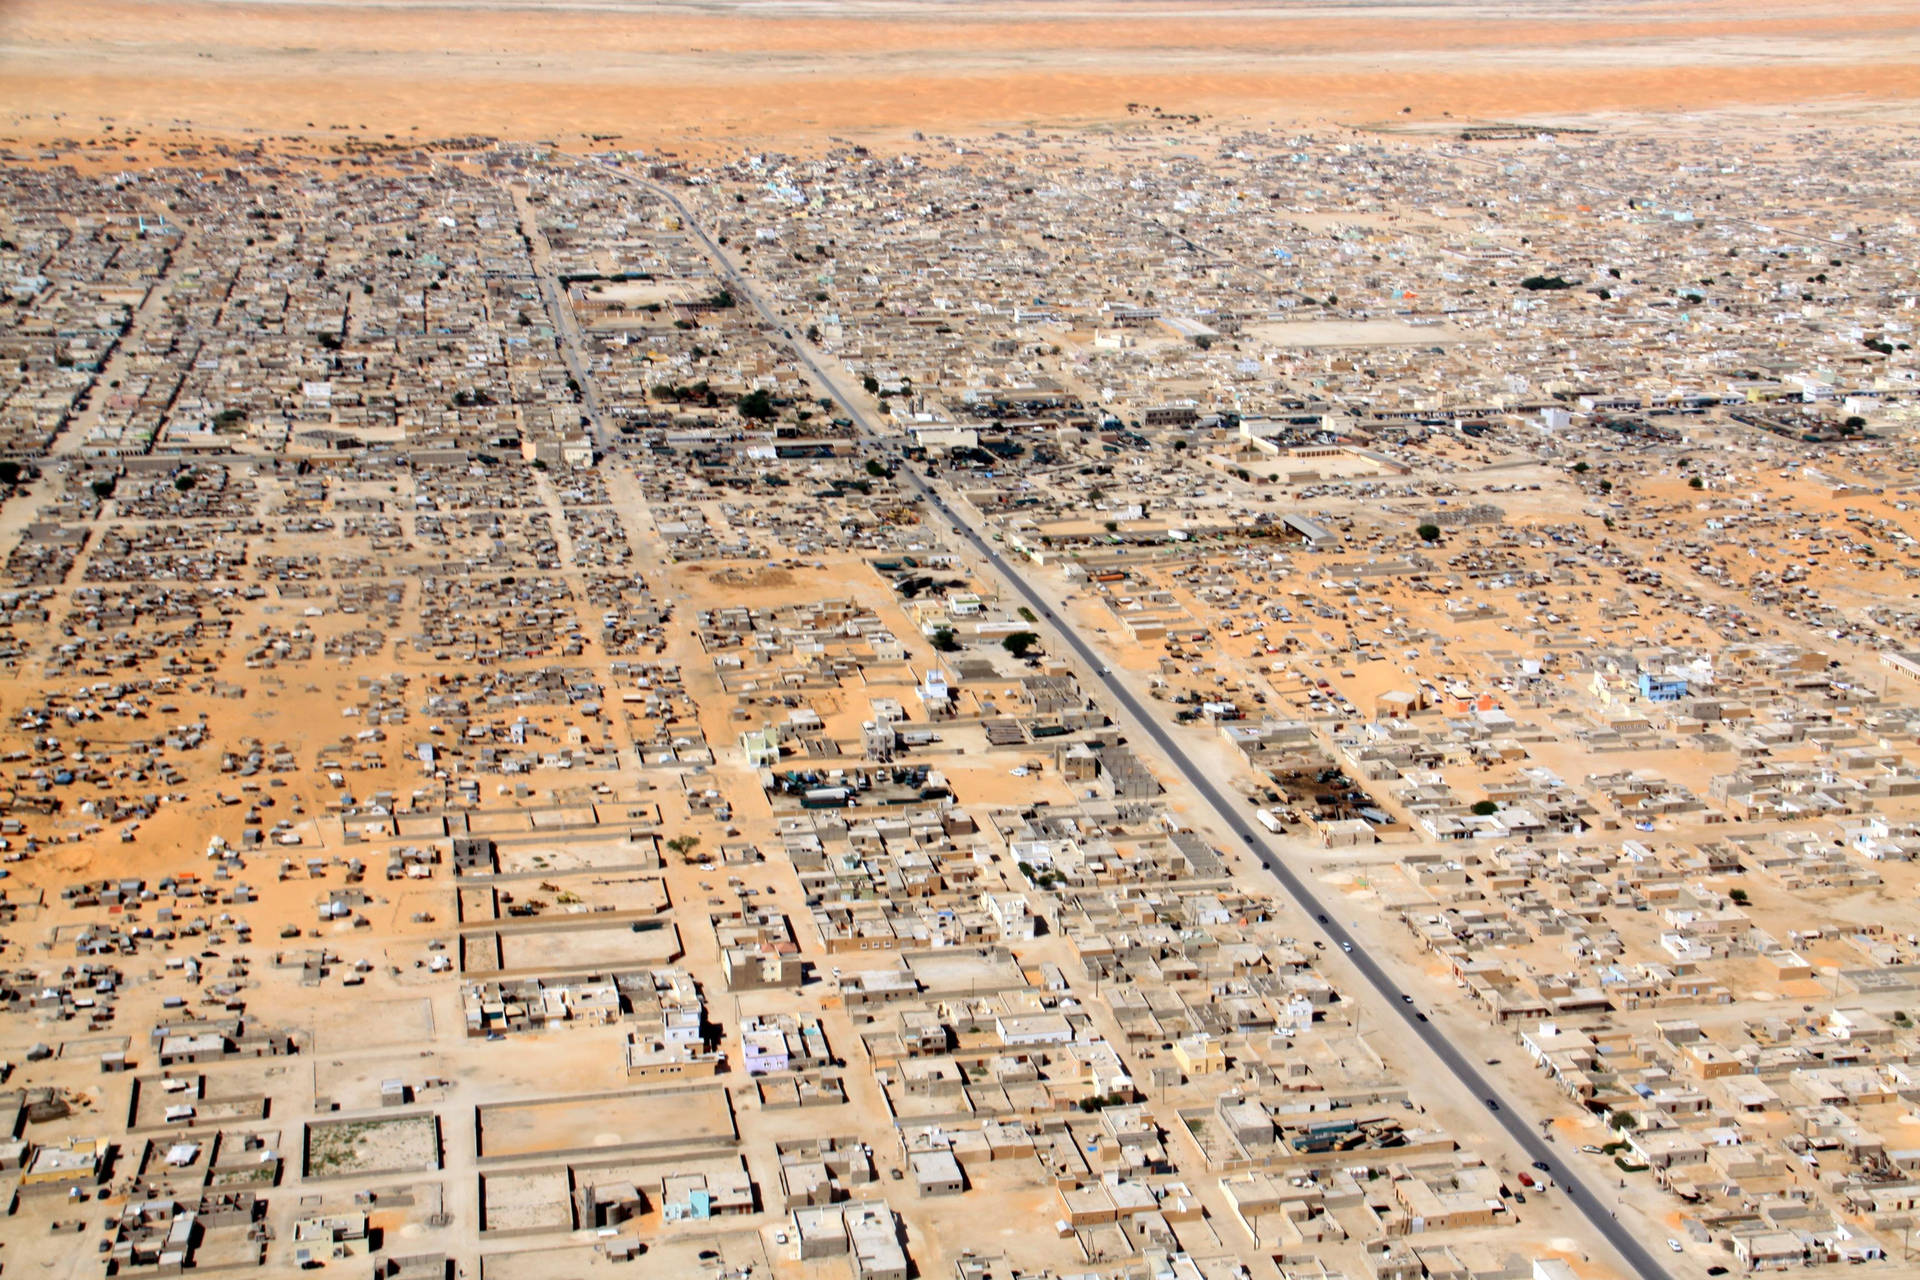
[(1619, 1235), (1625, 1243), (566, 329)]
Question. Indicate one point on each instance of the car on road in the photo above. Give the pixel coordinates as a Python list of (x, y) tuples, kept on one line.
[(1673, 1244), (1346, 946), (1421, 1016), (1321, 919), (1541, 1165), (1520, 1196), (1491, 1104), (1405, 998)]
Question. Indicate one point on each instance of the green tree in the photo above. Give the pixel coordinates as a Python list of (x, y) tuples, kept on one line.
[(683, 846), (872, 384), (1485, 808), (944, 641), (1429, 532), (9, 472), (756, 406), (1019, 642)]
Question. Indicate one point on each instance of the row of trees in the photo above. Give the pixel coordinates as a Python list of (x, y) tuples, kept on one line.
[(1019, 644)]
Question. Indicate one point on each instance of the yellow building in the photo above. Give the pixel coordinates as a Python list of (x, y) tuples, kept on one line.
[(1610, 688), (1200, 1055), (73, 1163)]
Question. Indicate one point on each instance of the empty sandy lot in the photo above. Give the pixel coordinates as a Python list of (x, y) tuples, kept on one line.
[(1353, 333), (604, 1120)]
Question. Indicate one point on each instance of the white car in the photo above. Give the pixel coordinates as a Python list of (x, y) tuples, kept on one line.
[(1673, 1245)]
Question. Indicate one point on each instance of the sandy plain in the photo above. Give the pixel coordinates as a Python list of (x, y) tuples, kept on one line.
[(676, 74)]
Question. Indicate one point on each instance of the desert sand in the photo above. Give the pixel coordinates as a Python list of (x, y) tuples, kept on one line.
[(653, 74)]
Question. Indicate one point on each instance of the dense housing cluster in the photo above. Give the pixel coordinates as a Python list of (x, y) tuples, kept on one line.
[(572, 709)]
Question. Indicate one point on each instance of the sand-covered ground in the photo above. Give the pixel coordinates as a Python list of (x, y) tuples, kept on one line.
[(655, 73)]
